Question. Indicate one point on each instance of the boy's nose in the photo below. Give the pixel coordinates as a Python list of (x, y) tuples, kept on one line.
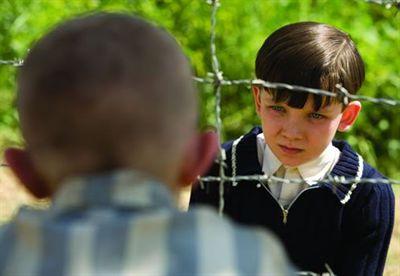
[(292, 130)]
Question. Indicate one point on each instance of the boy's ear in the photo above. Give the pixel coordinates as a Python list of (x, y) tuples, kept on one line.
[(349, 115), (198, 157), (257, 97), (22, 166)]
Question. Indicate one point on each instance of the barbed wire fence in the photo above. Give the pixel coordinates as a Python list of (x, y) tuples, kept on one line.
[(216, 79)]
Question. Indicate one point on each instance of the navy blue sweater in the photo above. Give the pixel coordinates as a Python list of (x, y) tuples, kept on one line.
[(347, 227)]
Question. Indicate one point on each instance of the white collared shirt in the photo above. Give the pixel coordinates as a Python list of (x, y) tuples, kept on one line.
[(311, 171)]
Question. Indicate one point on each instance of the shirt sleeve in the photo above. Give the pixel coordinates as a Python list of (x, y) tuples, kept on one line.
[(367, 229)]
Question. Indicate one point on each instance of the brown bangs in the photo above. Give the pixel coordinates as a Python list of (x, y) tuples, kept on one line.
[(298, 99)]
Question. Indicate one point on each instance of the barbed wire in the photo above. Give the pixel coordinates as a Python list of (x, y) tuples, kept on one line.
[(269, 179), (342, 94), (218, 78), (14, 62), (386, 3), (310, 273)]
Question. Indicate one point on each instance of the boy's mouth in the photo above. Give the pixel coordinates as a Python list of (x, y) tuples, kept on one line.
[(290, 150)]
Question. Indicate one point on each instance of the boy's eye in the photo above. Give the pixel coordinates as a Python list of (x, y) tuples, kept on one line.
[(277, 108), (316, 116)]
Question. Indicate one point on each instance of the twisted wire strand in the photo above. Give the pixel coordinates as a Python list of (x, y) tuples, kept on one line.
[(267, 179), (386, 3), (217, 82), (342, 94), (14, 62)]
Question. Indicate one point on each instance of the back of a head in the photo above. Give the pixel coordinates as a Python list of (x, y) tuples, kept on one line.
[(106, 91), (310, 54)]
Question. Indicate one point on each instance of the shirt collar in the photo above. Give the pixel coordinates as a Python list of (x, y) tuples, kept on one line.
[(122, 188), (319, 167), (268, 161), (311, 171)]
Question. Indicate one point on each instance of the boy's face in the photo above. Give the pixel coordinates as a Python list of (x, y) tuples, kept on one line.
[(295, 135)]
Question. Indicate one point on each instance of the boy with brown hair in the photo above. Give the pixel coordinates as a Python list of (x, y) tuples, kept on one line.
[(345, 226)]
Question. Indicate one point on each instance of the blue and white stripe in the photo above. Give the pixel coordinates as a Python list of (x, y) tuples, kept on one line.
[(125, 224)]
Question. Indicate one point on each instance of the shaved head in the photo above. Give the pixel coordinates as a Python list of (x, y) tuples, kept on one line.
[(106, 91)]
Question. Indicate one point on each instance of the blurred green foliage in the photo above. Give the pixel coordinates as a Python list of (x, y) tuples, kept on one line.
[(242, 26)]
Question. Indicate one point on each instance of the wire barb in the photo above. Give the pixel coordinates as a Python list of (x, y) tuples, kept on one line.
[(386, 3), (13, 62)]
